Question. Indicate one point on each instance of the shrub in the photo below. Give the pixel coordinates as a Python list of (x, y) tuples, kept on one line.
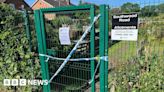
[(16, 60), (137, 75)]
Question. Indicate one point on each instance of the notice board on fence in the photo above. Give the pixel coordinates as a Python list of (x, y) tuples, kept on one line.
[(64, 36), (125, 27)]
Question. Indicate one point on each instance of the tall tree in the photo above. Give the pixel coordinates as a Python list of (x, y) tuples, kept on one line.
[(150, 10), (161, 8), (130, 7), (116, 10)]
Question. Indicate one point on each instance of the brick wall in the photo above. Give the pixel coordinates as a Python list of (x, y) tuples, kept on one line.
[(42, 4)]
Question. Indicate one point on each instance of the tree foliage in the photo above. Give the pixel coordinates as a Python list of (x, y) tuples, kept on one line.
[(116, 10), (151, 10), (161, 8), (130, 7)]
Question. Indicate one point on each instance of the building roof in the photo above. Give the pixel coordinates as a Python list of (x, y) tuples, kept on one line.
[(55, 3)]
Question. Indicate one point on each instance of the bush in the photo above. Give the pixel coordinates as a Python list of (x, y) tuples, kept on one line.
[(149, 11), (16, 60), (137, 75)]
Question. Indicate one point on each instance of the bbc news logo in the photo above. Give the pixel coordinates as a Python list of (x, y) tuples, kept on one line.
[(24, 82)]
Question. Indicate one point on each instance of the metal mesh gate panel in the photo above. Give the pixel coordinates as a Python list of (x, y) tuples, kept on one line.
[(74, 76)]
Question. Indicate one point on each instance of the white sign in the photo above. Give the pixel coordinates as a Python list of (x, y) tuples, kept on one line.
[(64, 36), (125, 34)]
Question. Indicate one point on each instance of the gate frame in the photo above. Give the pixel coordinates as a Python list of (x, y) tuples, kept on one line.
[(40, 29), (103, 41), (103, 46)]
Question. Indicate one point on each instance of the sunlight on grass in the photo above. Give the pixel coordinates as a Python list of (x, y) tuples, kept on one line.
[(122, 51)]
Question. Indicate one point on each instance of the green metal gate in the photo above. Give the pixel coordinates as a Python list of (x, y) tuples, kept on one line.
[(75, 76)]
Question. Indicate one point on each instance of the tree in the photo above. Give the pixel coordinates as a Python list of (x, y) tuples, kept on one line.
[(116, 10), (150, 10), (130, 7), (161, 8)]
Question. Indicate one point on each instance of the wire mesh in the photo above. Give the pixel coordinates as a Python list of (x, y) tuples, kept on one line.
[(124, 55), (33, 32), (75, 76)]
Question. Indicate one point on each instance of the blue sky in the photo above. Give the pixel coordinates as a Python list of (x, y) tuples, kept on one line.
[(112, 3)]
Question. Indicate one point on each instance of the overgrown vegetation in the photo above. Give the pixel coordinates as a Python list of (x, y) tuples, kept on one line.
[(137, 75), (16, 60), (138, 65), (146, 11)]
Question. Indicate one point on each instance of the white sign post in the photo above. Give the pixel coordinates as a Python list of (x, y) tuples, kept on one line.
[(64, 36)]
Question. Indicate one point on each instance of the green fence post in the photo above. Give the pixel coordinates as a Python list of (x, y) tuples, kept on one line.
[(106, 45), (40, 47), (27, 28), (102, 48), (92, 46), (42, 23)]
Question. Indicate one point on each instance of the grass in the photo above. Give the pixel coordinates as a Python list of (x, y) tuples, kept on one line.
[(122, 51)]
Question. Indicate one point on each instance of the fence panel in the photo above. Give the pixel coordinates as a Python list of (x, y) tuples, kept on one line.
[(133, 64)]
